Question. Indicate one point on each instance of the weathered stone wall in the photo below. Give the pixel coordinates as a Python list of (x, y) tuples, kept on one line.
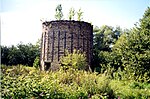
[(60, 35)]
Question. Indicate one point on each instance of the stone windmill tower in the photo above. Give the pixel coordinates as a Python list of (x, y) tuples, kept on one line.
[(61, 35)]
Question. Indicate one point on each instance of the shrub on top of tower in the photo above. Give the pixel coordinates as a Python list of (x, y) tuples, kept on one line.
[(71, 13), (59, 14), (79, 15)]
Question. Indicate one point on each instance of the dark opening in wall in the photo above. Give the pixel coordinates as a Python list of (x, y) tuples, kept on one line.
[(47, 65)]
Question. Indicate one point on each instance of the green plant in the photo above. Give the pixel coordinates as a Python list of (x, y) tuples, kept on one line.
[(74, 60), (59, 13), (71, 13), (36, 63), (79, 15), (129, 89), (28, 82)]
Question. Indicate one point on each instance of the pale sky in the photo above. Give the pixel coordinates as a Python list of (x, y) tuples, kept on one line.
[(20, 19)]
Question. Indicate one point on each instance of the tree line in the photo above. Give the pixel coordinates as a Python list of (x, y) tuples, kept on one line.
[(24, 54)]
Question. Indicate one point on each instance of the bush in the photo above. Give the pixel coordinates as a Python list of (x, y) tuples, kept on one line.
[(28, 82), (127, 90), (25, 82), (36, 63), (75, 60)]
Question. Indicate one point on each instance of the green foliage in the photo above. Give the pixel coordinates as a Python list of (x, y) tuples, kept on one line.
[(129, 57), (29, 82), (4, 54), (127, 89), (134, 50), (104, 39), (145, 21), (74, 60), (71, 13), (79, 15), (59, 14), (36, 63), (21, 54)]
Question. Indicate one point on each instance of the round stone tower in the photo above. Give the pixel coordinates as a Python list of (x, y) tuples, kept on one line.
[(61, 35)]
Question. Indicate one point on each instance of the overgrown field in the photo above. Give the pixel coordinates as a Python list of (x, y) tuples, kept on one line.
[(19, 82)]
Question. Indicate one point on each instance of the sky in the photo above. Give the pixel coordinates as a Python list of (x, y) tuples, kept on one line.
[(21, 19)]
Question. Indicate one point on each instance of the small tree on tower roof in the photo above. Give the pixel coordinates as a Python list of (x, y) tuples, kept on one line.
[(79, 15), (59, 14)]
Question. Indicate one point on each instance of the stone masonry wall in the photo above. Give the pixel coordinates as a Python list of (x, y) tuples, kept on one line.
[(57, 36)]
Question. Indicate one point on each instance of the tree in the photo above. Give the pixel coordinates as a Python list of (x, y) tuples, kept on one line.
[(134, 50), (79, 15), (14, 56), (59, 14), (4, 55), (71, 13), (104, 38), (24, 54)]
